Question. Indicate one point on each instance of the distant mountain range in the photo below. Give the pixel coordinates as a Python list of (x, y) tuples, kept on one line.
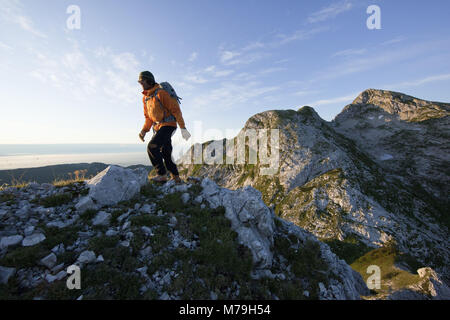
[(48, 174)]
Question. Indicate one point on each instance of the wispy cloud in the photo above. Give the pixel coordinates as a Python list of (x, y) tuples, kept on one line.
[(89, 72), (4, 46), (376, 59), (257, 50), (302, 34), (347, 98), (302, 93), (419, 82), (395, 40), (271, 70), (229, 95), (11, 11), (330, 11), (193, 56), (195, 79), (231, 58), (349, 52), (281, 61), (125, 61)]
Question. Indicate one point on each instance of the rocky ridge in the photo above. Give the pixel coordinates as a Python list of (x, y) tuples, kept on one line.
[(341, 187), (192, 241)]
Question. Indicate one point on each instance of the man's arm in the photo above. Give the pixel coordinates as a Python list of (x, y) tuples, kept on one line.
[(148, 122), (173, 107)]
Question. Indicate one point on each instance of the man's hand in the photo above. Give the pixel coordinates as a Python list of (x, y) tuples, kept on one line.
[(186, 135), (142, 135)]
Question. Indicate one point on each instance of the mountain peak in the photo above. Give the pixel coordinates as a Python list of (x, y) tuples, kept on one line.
[(281, 117), (406, 107)]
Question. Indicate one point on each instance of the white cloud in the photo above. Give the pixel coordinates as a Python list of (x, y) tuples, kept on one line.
[(125, 61), (195, 79), (229, 95), (88, 72), (11, 11), (271, 70), (419, 82), (223, 73), (347, 98), (193, 56), (350, 52), (118, 87), (228, 55), (281, 61), (395, 40), (5, 46), (302, 93), (375, 60), (303, 34), (101, 52), (330, 11)]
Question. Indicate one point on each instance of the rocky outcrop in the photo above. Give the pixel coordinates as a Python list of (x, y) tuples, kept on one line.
[(255, 225), (112, 185), (406, 136)]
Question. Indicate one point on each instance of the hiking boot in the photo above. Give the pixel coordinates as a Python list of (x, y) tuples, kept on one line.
[(161, 179), (177, 179)]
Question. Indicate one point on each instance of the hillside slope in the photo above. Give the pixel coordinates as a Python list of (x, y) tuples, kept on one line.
[(332, 184)]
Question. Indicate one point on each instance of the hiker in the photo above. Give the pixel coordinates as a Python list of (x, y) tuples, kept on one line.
[(162, 111)]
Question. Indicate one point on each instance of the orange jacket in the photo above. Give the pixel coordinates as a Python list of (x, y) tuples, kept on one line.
[(154, 112)]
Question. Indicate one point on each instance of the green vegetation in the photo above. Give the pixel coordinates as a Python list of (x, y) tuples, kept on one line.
[(56, 200), (392, 277), (148, 220), (23, 257), (7, 197), (349, 250), (172, 202), (306, 262), (88, 215)]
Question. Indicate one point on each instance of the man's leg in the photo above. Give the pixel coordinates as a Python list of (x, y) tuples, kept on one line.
[(154, 152), (166, 150)]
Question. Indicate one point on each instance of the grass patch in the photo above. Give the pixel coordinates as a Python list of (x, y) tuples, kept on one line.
[(149, 191), (172, 202), (56, 200), (99, 244), (7, 197), (349, 250), (88, 215), (148, 220), (392, 277)]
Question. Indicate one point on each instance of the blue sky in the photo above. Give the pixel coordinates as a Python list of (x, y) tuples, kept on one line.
[(227, 59)]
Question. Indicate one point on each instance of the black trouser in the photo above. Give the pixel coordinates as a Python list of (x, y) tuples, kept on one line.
[(159, 148)]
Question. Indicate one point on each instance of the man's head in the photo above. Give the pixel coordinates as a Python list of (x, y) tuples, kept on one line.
[(146, 79)]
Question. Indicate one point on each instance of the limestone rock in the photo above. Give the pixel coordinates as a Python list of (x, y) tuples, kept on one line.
[(5, 274), (33, 240), (10, 241), (115, 184), (87, 257), (102, 218), (49, 261)]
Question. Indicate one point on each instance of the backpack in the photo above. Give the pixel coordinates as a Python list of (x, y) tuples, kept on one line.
[(167, 87)]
